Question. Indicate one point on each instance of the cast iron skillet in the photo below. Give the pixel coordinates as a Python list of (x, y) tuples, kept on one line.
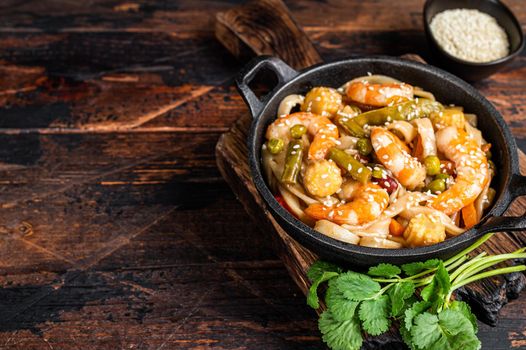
[(447, 89)]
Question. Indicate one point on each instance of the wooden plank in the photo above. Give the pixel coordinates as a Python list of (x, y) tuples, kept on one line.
[(155, 68), (185, 16), (127, 298), (113, 81)]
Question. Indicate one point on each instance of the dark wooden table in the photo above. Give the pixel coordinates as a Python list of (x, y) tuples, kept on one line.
[(116, 229)]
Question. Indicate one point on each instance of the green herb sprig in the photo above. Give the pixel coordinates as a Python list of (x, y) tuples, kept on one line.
[(370, 302)]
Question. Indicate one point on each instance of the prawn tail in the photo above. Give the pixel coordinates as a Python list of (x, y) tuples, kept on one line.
[(318, 211)]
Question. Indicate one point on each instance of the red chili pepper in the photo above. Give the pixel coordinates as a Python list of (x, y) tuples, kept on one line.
[(284, 204)]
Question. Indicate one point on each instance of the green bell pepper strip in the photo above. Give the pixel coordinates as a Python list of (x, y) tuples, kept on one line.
[(357, 170), (292, 162), (418, 108)]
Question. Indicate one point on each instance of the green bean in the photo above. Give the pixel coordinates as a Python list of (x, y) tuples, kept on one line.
[(292, 162), (275, 146), (357, 170), (364, 146), (297, 131), (432, 164), (419, 108)]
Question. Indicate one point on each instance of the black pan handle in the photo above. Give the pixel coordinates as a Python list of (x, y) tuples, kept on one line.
[(503, 224), (283, 72), (517, 188)]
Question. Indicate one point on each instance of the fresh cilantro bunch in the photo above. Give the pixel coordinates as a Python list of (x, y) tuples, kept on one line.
[(370, 302)]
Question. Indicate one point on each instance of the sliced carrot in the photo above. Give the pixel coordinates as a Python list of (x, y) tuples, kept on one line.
[(469, 215), (396, 228)]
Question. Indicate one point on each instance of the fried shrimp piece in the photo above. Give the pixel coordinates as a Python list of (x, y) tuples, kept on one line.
[(378, 95), (394, 155), (424, 230), (367, 203), (322, 178), (323, 101), (471, 166), (324, 132)]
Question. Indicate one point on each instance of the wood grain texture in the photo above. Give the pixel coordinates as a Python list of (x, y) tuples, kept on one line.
[(116, 227)]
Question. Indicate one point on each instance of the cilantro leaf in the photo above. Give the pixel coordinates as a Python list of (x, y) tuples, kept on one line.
[(436, 291), (426, 330), (408, 303), (406, 335), (464, 308), (341, 308), (415, 310), (455, 323), (374, 315), (357, 286), (312, 297), (417, 267), (340, 335), (384, 270), (398, 294), (449, 330), (319, 267)]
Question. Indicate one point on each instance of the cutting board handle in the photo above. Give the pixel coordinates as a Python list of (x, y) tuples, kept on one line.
[(265, 27), (284, 73)]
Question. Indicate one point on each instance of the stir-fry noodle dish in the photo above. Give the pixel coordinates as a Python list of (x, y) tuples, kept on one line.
[(379, 163)]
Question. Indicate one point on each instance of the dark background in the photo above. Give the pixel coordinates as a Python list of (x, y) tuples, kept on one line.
[(116, 228)]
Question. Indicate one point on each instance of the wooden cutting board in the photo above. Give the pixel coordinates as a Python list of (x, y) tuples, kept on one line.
[(267, 27)]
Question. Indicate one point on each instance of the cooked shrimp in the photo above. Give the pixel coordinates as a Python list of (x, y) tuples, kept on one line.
[(368, 202), (394, 155), (324, 131), (378, 95), (472, 170)]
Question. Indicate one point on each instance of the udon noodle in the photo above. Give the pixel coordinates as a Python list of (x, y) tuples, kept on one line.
[(379, 163)]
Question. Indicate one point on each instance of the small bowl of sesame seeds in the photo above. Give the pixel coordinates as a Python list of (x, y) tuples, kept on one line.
[(472, 39)]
